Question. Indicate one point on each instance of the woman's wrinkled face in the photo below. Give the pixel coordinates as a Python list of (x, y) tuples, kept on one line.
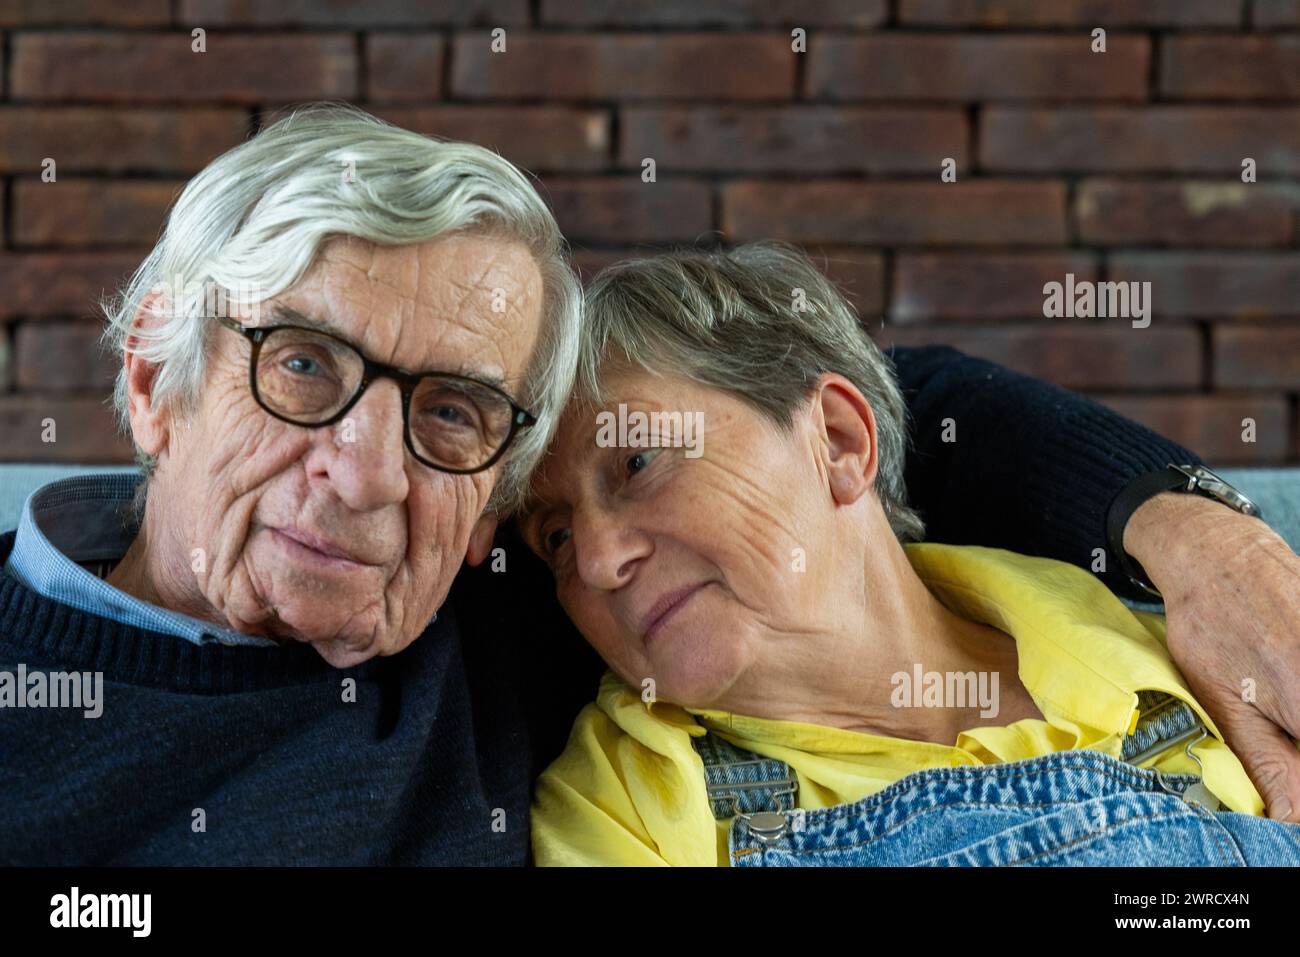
[(337, 535), (676, 566)]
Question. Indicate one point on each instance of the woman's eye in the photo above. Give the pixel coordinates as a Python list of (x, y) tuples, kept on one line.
[(554, 539), (639, 461)]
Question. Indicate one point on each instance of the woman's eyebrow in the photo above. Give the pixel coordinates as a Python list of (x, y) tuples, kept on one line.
[(294, 317)]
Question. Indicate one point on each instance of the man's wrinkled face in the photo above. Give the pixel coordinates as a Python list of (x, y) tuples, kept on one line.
[(337, 535)]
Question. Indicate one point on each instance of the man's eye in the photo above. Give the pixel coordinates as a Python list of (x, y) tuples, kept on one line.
[(303, 365), (452, 415)]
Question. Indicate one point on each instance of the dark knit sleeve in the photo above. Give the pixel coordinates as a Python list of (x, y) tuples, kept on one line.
[(1030, 467)]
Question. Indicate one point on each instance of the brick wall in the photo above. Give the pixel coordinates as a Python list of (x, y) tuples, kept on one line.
[(1123, 165)]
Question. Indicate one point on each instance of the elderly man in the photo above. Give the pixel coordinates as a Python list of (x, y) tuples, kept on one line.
[(397, 336)]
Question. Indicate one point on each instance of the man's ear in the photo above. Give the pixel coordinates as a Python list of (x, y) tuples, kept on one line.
[(848, 434), (150, 425), (480, 539)]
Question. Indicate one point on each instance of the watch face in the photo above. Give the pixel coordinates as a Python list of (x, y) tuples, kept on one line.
[(1211, 485)]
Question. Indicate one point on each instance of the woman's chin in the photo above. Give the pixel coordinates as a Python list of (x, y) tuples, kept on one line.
[(698, 681)]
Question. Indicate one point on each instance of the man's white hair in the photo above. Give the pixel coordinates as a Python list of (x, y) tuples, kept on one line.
[(254, 218)]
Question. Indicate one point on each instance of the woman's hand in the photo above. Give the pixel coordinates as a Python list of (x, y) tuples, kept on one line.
[(1232, 605)]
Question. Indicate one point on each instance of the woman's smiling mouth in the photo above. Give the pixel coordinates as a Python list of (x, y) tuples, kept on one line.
[(665, 609)]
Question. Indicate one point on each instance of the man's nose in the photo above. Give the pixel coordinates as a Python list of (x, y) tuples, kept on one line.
[(368, 464), (608, 549)]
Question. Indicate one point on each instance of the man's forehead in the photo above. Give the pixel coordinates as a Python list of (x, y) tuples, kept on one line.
[(456, 303)]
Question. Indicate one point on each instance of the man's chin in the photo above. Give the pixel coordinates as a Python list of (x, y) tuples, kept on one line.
[(338, 643), (338, 647), (343, 654)]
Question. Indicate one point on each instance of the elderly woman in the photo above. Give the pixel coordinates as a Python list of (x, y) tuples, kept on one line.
[(793, 679)]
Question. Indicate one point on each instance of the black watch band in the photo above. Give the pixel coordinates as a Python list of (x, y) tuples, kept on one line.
[(1193, 479), (1136, 493)]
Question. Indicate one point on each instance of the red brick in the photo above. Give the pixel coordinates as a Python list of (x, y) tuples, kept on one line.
[(1275, 14), (977, 212), (734, 13), (1212, 284), (1194, 212), (859, 275), (160, 67), (1180, 139), (84, 430), (1070, 13), (1256, 357), (1231, 68), (998, 286), (590, 66), (91, 212), (535, 137), (403, 67), (82, 139), (344, 13), (60, 284), (1074, 356), (618, 210), (805, 139), (1211, 425), (54, 356), (921, 66), (66, 13)]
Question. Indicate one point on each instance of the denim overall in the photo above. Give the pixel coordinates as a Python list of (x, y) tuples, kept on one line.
[(1077, 808)]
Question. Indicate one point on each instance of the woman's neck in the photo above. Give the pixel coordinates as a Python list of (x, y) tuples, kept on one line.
[(860, 672)]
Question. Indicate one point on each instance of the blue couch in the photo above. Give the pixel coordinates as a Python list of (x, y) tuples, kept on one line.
[(1276, 490)]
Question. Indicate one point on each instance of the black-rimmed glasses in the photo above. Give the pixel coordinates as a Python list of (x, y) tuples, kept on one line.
[(452, 423)]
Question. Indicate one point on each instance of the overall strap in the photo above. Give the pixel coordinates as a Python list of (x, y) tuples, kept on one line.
[(1164, 723), (742, 782)]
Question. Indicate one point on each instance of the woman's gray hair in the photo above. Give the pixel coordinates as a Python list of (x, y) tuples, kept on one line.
[(760, 322), (250, 224)]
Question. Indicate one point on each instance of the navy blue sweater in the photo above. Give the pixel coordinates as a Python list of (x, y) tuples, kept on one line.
[(433, 761)]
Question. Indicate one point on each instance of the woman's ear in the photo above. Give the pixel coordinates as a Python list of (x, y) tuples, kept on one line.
[(848, 434), (150, 425)]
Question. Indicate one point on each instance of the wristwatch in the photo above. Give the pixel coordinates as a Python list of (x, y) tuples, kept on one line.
[(1193, 479)]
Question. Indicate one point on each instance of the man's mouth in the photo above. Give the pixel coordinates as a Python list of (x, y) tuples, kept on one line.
[(314, 548)]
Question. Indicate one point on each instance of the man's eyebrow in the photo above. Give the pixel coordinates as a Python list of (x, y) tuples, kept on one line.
[(292, 316)]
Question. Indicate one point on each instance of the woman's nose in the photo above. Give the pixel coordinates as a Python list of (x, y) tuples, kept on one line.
[(608, 550)]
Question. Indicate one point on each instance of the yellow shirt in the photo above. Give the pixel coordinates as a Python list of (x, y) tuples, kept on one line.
[(629, 788)]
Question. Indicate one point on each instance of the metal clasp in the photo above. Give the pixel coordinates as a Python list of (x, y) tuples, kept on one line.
[(1197, 793), (768, 827)]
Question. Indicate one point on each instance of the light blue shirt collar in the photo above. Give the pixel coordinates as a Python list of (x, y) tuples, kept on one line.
[(87, 519)]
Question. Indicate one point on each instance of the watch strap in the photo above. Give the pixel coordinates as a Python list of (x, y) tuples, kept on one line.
[(1133, 495)]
